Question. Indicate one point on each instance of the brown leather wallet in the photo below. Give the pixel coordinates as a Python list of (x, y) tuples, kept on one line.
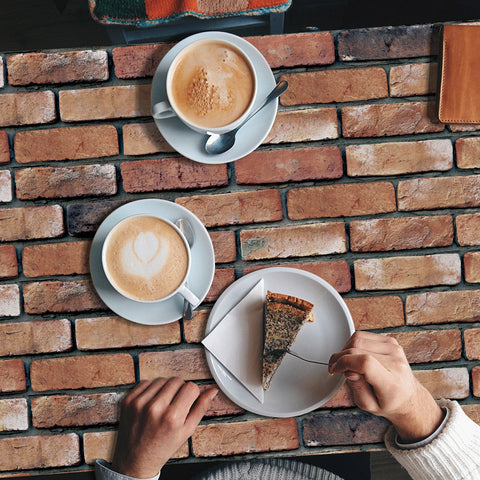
[(459, 93)]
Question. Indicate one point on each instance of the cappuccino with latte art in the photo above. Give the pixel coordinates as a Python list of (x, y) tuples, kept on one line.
[(145, 258)]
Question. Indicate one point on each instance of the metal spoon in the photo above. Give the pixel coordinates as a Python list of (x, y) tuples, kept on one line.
[(184, 226), (220, 143)]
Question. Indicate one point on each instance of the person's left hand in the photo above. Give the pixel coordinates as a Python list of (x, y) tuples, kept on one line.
[(155, 421)]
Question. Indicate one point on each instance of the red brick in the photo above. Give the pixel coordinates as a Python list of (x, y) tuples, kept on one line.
[(295, 49), (304, 126), (328, 86), (28, 223), (472, 343), (65, 182), (188, 364), (139, 60), (143, 139), (450, 383), (443, 307), (221, 280), (455, 128), (12, 376), (343, 428), (224, 246), (102, 444), (73, 410), (8, 261), (194, 329), (389, 119), (397, 273), (382, 43), (442, 192), (57, 297), (27, 108), (65, 258), (221, 405), (413, 79), (245, 437), (9, 300), (430, 345), (126, 101), (342, 399), (235, 208), (39, 451), (5, 186), (471, 262), (376, 312), (116, 332), (4, 147), (292, 165), (401, 233), (66, 143), (82, 371), (398, 158), (171, 174), (44, 336), (476, 381), (468, 152), (337, 274), (13, 414), (57, 67), (468, 229), (2, 80), (293, 241), (341, 200), (473, 411)]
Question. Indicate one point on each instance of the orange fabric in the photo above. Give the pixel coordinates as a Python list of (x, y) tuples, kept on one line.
[(166, 8)]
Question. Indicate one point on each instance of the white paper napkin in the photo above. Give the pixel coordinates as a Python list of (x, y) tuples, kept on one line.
[(237, 341)]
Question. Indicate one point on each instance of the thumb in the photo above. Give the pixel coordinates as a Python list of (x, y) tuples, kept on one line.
[(362, 392)]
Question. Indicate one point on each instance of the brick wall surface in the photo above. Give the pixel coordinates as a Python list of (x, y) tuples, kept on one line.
[(357, 182)]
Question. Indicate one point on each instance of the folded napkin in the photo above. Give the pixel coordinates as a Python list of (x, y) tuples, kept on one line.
[(237, 341)]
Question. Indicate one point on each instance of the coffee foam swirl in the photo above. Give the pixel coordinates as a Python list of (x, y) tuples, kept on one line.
[(145, 256)]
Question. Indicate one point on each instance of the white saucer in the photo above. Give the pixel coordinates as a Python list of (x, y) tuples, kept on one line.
[(191, 144), (298, 387), (201, 272)]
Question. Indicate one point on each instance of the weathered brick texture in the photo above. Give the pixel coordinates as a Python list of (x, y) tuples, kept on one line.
[(222, 278), (376, 312), (143, 139), (66, 143), (4, 147), (296, 241), (235, 208), (245, 437), (397, 158), (5, 186), (471, 262), (468, 229), (344, 200), (27, 108), (468, 152), (13, 414), (82, 371), (292, 165), (224, 246), (472, 343), (413, 79), (9, 300), (194, 329), (57, 67), (8, 261), (85, 218), (12, 376)]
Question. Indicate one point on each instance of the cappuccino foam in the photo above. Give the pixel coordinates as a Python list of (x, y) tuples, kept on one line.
[(212, 84), (146, 258)]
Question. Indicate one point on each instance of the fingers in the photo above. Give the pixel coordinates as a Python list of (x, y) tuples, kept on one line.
[(199, 409), (362, 392)]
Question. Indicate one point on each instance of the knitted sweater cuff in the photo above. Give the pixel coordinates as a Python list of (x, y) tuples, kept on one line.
[(452, 454)]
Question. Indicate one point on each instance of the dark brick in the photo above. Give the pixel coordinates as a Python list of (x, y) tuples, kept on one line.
[(85, 218), (343, 428), (382, 43)]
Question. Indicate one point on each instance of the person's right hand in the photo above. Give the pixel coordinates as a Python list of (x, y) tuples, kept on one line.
[(383, 383), (155, 421)]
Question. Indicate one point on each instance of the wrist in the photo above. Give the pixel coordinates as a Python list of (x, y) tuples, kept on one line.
[(421, 420)]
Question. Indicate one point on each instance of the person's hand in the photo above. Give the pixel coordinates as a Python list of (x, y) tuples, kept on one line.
[(156, 418), (383, 383)]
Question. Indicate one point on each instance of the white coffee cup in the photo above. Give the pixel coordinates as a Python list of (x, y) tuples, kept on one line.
[(211, 86), (127, 261)]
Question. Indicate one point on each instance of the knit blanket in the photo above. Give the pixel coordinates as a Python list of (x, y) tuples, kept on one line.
[(144, 13)]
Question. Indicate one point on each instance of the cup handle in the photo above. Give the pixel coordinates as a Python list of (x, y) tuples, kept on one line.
[(188, 295), (162, 110)]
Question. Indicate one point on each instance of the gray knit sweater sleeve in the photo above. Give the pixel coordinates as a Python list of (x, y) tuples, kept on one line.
[(271, 469)]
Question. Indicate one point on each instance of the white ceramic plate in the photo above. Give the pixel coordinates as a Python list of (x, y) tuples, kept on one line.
[(191, 144), (201, 272), (297, 387)]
